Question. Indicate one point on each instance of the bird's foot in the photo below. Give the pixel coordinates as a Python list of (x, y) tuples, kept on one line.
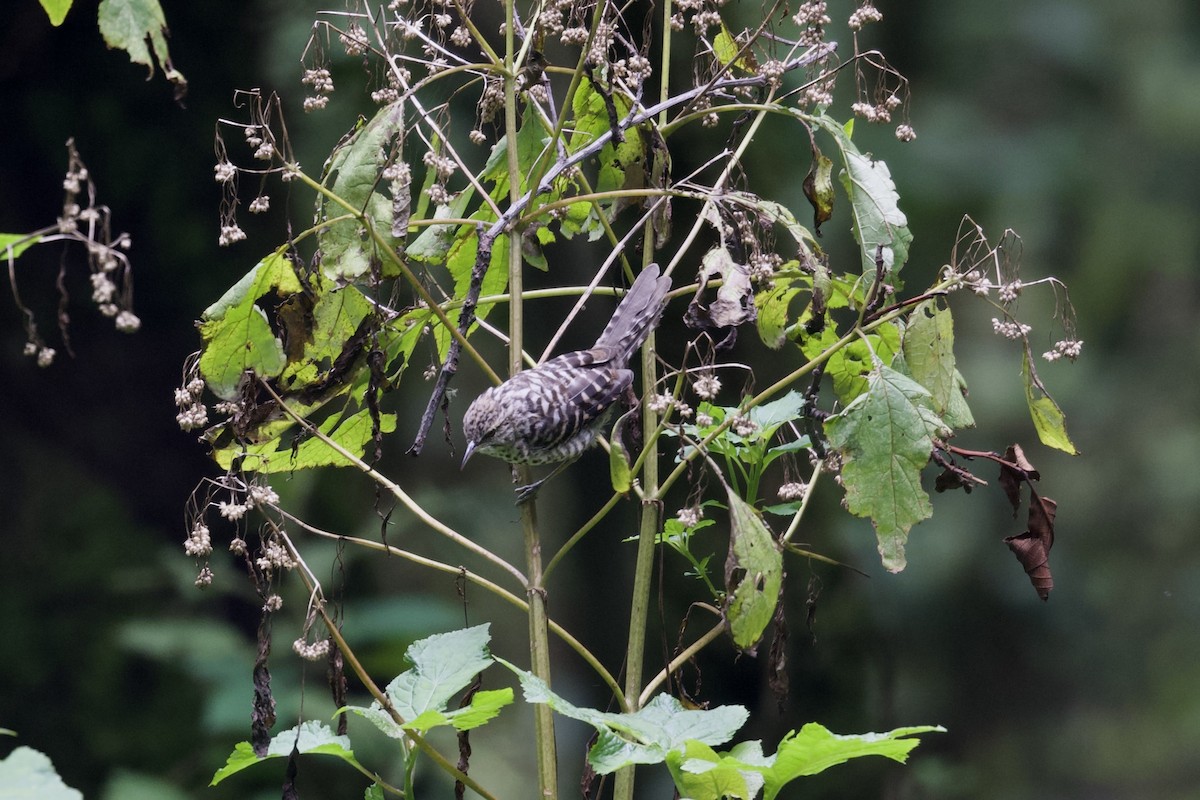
[(528, 493)]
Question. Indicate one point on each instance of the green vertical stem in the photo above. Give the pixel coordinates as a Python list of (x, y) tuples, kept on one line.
[(539, 634), (639, 612), (643, 573)]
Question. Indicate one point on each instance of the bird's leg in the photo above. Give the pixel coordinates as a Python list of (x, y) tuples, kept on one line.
[(528, 492)]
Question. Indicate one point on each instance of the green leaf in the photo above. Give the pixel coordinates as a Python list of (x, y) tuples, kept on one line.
[(850, 365), (27, 774), (129, 24), (621, 165), (307, 737), (645, 736), (56, 10), (818, 188), (874, 202), (701, 773), (929, 355), (461, 261), (725, 48), (433, 243), (237, 336), (769, 416), (353, 433), (531, 148), (753, 574), (814, 749), (773, 312), (619, 468), (9, 247), (374, 792), (885, 439), (442, 666), (347, 253), (1048, 419)]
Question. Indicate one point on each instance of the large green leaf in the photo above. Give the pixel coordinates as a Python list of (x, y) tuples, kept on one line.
[(885, 439), (531, 148), (773, 312), (461, 261), (443, 665), (701, 773), (27, 774), (929, 355), (815, 749), (619, 164), (645, 736), (433, 243), (324, 333), (354, 173), (279, 454), (853, 362), (138, 27), (307, 738), (237, 334), (874, 202)]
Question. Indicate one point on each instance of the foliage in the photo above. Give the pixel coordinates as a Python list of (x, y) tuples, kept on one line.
[(136, 26), (416, 241), (26, 774)]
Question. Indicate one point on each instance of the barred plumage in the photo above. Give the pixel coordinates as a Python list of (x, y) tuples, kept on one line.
[(553, 412)]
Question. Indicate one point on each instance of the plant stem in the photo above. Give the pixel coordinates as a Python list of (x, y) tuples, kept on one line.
[(539, 637), (648, 529)]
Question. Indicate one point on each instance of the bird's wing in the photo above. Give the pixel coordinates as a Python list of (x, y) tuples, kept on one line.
[(583, 390)]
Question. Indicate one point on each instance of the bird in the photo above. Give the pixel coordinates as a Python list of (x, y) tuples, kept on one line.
[(553, 412)]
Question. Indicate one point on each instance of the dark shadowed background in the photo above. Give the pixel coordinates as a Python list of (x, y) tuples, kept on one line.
[(1075, 123)]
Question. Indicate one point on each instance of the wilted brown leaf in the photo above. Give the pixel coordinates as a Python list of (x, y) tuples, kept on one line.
[(1032, 548)]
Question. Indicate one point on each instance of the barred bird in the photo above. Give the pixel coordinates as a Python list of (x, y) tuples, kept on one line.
[(553, 412)]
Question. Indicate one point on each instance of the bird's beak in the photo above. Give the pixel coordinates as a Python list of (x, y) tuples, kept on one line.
[(467, 454)]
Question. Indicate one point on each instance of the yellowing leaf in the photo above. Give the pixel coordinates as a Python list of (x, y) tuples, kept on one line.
[(1048, 419), (56, 10), (753, 574), (726, 47), (13, 244)]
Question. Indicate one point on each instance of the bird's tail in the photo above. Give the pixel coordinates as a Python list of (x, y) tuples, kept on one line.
[(636, 315)]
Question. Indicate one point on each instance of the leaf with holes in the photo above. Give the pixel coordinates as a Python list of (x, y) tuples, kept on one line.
[(885, 437), (929, 355), (237, 334), (753, 574), (874, 201), (355, 174), (129, 25)]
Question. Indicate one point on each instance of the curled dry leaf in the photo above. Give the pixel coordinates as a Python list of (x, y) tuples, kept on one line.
[(1032, 548)]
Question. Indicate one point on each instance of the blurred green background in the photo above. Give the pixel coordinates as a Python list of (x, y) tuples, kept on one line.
[(1075, 123)]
